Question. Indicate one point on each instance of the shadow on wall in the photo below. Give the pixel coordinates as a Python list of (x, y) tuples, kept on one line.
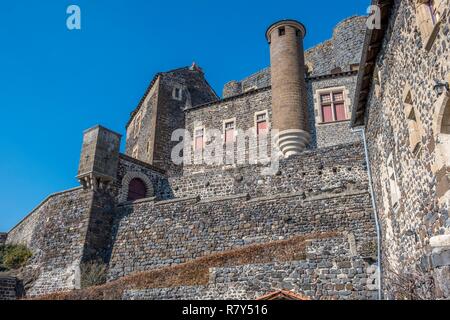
[(11, 288)]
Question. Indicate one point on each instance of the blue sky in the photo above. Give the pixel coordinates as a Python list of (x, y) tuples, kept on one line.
[(54, 83)]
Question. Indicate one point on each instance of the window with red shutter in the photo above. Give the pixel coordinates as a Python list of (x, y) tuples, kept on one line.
[(339, 110), (327, 113), (333, 107), (229, 132), (262, 127), (261, 124)]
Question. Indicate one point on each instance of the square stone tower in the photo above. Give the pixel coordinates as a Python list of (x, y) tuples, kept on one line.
[(99, 158)]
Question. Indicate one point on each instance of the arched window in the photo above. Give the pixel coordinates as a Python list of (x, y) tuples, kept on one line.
[(136, 190)]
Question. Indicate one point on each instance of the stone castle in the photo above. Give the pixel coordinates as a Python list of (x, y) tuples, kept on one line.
[(360, 135)]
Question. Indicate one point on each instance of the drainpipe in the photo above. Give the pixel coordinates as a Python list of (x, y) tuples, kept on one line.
[(374, 206)]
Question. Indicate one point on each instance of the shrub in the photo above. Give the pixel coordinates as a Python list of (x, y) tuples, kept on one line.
[(14, 256), (93, 273), (410, 283)]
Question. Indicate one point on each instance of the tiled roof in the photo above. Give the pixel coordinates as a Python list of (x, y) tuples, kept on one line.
[(283, 295)]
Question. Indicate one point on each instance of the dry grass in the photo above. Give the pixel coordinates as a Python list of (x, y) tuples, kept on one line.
[(195, 272)]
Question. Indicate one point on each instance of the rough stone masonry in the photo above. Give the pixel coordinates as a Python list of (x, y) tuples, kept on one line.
[(138, 210)]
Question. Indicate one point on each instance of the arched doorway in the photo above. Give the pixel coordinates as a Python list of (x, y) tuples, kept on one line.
[(136, 190)]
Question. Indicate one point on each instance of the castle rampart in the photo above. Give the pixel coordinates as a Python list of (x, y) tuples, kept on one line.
[(55, 232), (318, 181), (352, 278)]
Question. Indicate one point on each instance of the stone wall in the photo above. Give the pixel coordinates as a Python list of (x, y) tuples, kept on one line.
[(332, 169), (212, 116), (342, 51), (160, 113), (316, 192), (151, 235), (56, 233), (10, 288), (260, 79), (243, 109), (141, 132), (334, 274), (406, 66), (347, 279)]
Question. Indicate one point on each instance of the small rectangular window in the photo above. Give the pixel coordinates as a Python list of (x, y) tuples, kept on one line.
[(261, 117), (332, 106), (199, 139), (177, 93), (229, 132), (261, 123), (281, 31), (354, 67)]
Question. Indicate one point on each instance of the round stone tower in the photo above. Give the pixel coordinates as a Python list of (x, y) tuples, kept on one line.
[(289, 106)]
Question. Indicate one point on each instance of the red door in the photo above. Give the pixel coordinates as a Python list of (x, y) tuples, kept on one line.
[(136, 190)]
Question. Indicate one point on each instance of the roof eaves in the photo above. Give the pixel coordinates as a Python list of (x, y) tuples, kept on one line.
[(136, 110), (372, 46), (229, 98)]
